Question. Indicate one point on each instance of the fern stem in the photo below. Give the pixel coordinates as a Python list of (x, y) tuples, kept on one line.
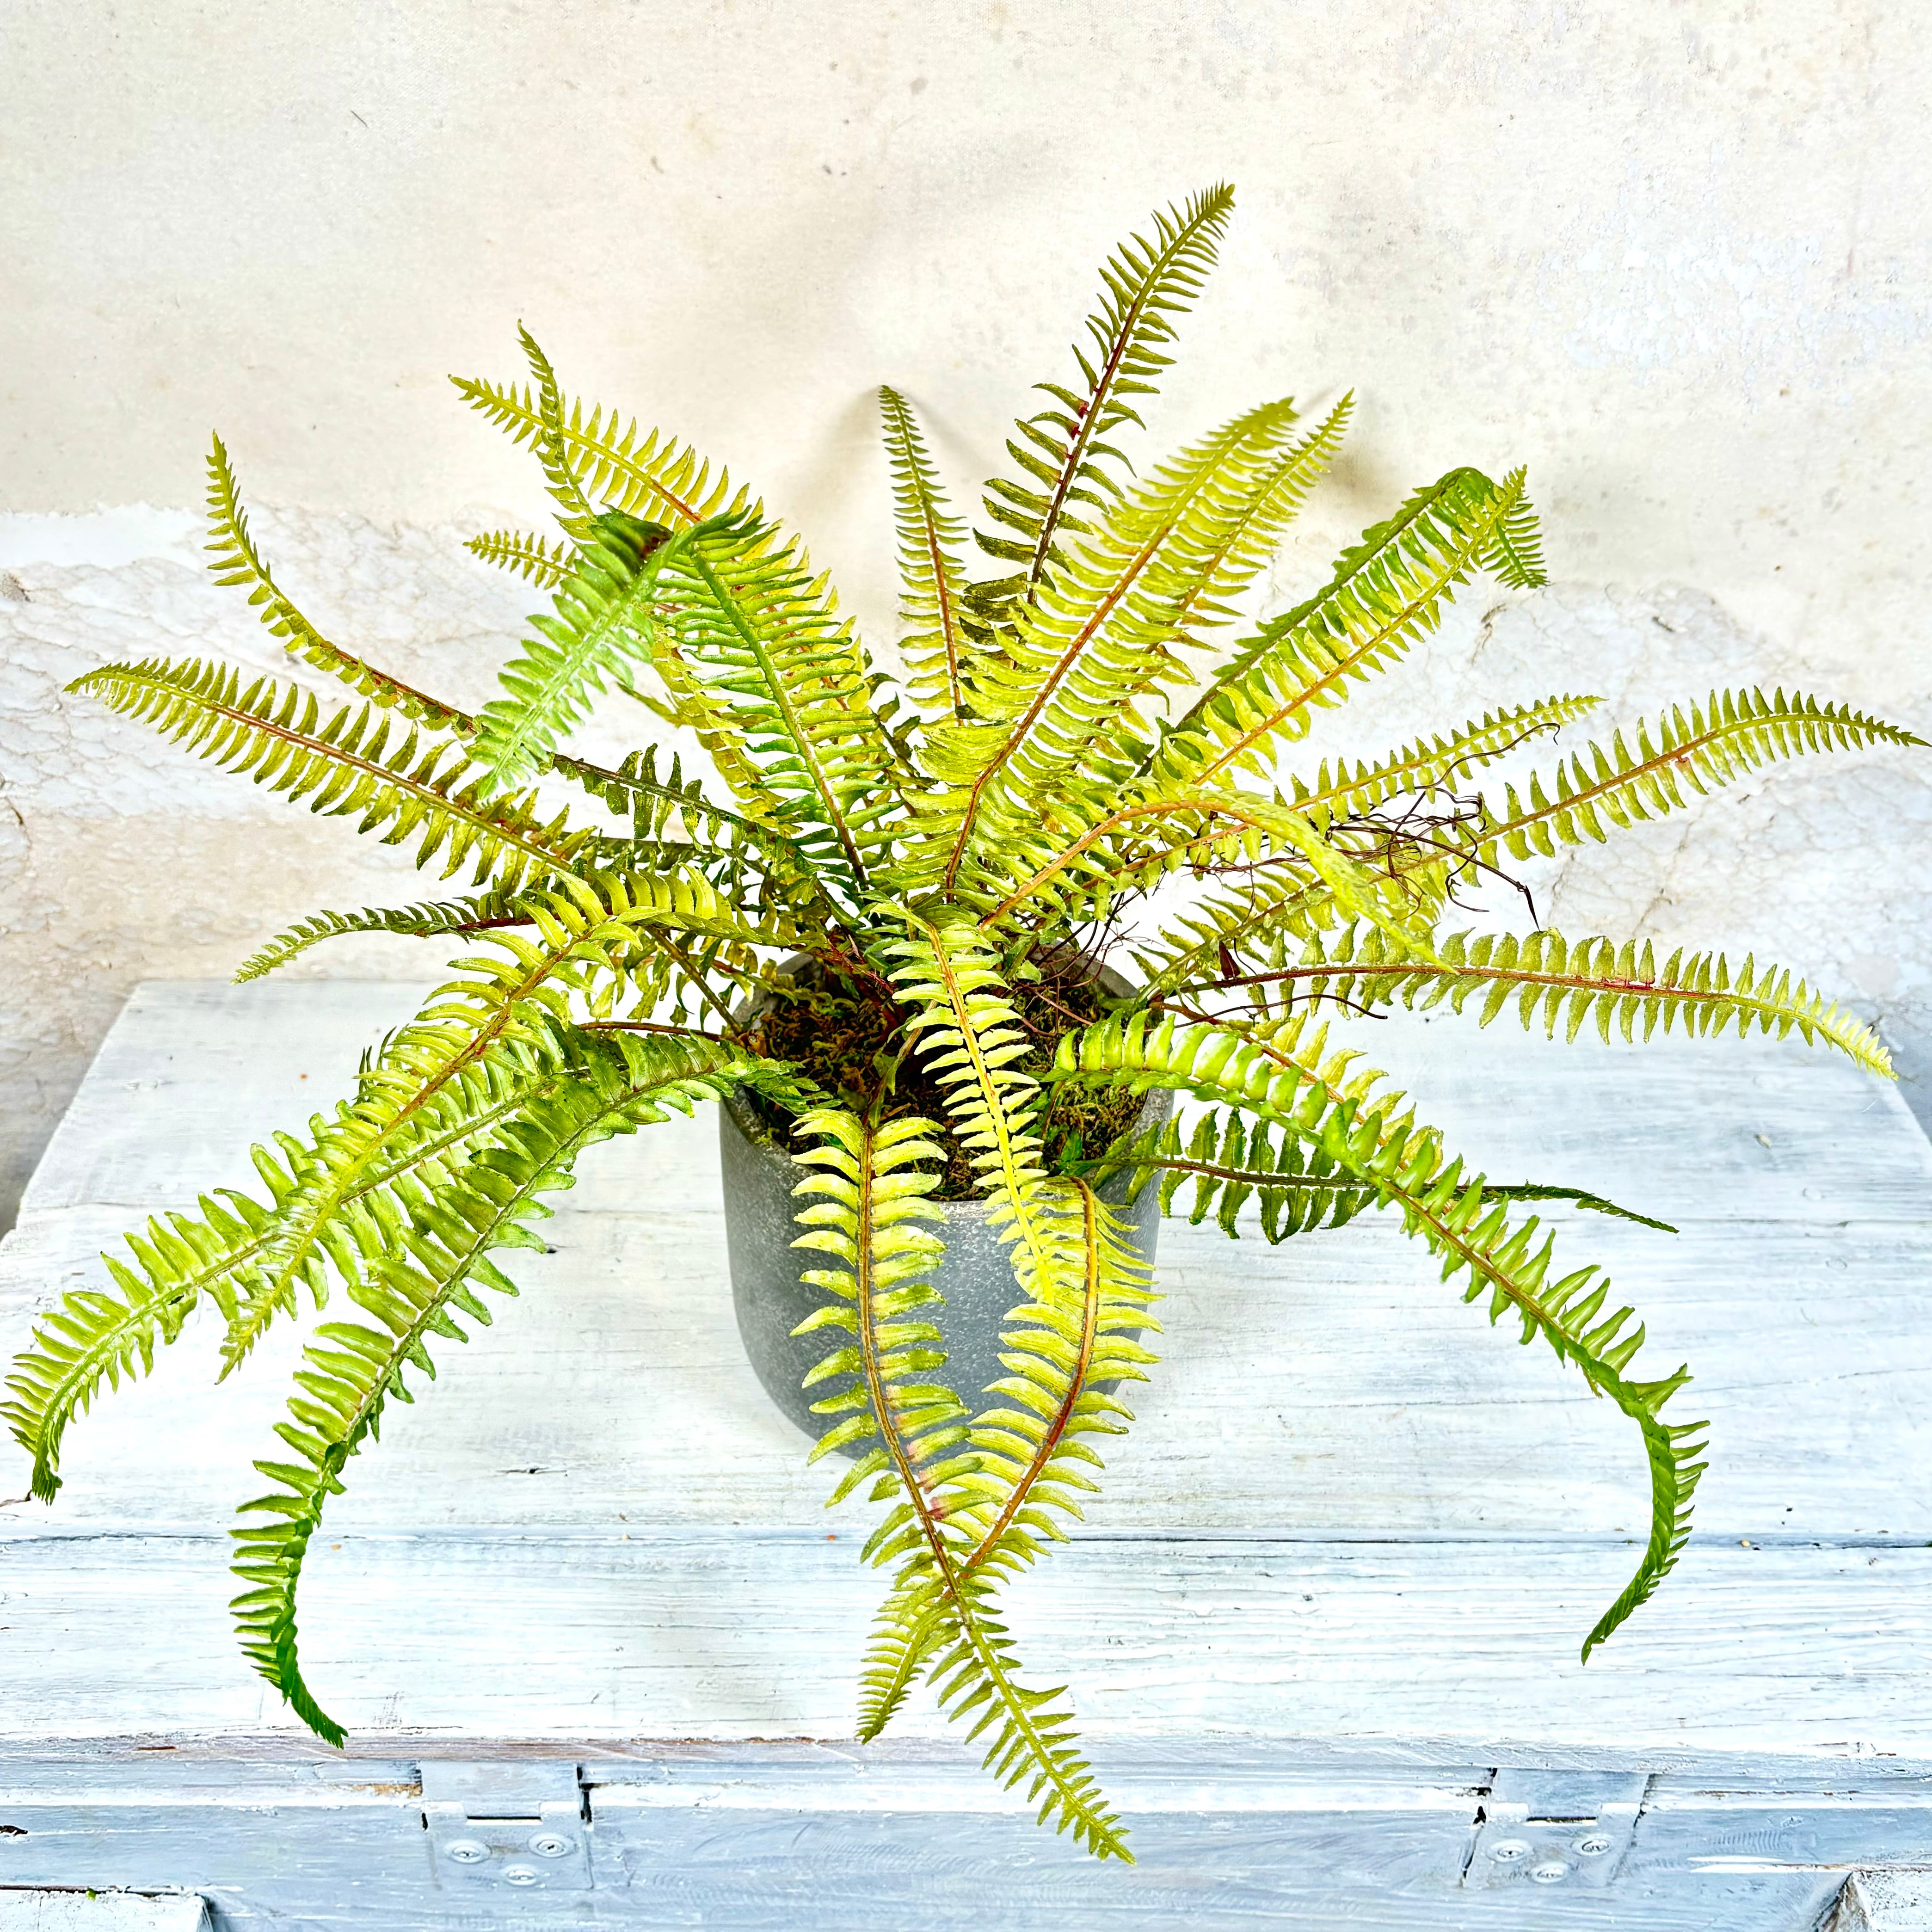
[(1076, 1385)]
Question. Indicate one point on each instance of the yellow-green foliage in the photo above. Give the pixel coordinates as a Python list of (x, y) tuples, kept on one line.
[(1065, 740)]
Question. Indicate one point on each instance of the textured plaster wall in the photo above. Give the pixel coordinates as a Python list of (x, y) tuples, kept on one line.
[(1673, 257)]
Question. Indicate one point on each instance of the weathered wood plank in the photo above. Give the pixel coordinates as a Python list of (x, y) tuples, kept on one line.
[(1332, 1385), (725, 1634), (792, 1835)]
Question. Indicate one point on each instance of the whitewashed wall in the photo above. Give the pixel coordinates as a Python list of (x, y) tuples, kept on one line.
[(1671, 256)]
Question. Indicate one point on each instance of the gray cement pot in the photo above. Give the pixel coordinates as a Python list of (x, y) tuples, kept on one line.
[(975, 1276)]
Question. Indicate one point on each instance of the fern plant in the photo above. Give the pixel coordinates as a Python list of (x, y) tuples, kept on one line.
[(953, 849)]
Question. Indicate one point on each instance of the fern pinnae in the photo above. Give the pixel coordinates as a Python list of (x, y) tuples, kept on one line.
[(1573, 982), (864, 1206), (234, 560), (559, 473), (1063, 449), (340, 766), (929, 535), (480, 914), (1732, 734), (649, 475), (1031, 1457), (416, 1288), (602, 616), (539, 560), (516, 998)]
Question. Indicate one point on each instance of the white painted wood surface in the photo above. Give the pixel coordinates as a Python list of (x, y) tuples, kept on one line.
[(1354, 1528), (42, 1911)]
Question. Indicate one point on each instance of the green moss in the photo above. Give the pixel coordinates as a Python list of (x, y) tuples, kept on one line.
[(836, 1030)]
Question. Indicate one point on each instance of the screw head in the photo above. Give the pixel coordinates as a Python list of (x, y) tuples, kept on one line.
[(1508, 1851), (553, 1845), (466, 1851), (1550, 1871), (522, 1875), (1591, 1845)]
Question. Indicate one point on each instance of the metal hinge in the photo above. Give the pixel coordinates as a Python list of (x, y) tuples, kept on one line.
[(523, 1826), (1555, 1828)]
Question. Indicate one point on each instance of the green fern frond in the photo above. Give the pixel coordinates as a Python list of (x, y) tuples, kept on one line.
[(415, 790), (547, 440), (425, 921), (603, 617), (866, 1202), (422, 1271), (1277, 1072), (651, 476), (1734, 733), (1388, 591), (95, 1336), (1429, 765), (1103, 632), (1296, 1187), (546, 565), (1062, 450), (1515, 554), (762, 635), (519, 996), (1570, 982), (931, 585), (965, 1029), (1031, 1457), (234, 559)]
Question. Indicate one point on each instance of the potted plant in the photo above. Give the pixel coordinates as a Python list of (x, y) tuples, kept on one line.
[(883, 936)]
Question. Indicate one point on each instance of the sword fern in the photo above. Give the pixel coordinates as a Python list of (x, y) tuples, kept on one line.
[(942, 855)]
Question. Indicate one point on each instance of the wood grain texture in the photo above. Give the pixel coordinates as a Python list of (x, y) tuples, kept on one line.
[(1339, 1572)]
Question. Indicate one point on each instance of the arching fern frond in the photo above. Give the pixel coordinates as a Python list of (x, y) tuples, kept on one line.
[(761, 635), (513, 995), (234, 559), (179, 1259), (426, 792), (1387, 591), (1732, 734), (427, 920), (1295, 1186), (1063, 449), (602, 622), (867, 1202), (1570, 982), (1032, 1458), (1275, 1072), (545, 564), (936, 648), (420, 1281)]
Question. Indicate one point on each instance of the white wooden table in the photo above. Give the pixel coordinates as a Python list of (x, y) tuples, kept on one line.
[(1321, 1632)]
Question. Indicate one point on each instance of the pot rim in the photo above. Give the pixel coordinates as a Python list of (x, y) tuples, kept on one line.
[(764, 1143)]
